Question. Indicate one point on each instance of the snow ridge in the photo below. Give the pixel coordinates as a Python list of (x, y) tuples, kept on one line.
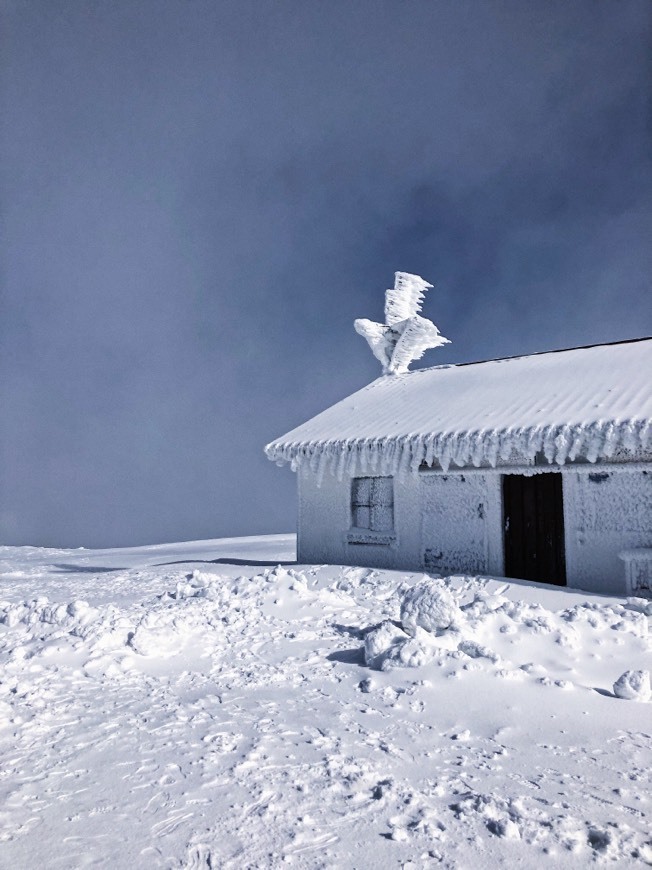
[(406, 453)]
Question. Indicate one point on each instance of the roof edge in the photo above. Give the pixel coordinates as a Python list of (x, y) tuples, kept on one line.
[(478, 362), (559, 443)]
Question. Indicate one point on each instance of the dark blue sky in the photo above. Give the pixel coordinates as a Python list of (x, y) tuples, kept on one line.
[(198, 198)]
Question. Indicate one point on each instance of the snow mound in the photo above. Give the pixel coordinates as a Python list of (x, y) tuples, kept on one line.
[(429, 605), (633, 686), (76, 616)]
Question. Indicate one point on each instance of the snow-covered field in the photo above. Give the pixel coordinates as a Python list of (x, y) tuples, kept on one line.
[(200, 705)]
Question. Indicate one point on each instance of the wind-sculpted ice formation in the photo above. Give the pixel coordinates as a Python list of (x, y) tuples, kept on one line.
[(405, 336)]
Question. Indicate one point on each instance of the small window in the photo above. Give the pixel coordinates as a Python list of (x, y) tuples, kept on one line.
[(372, 504)]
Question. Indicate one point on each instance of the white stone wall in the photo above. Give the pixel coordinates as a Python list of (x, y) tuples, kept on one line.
[(453, 523)]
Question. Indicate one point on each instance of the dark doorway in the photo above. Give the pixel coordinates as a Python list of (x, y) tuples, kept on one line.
[(533, 511)]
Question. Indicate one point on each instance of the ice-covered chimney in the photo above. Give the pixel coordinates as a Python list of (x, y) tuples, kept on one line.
[(405, 335)]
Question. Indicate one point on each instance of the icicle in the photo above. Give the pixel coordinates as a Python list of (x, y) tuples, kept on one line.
[(341, 461), (562, 444), (477, 444), (374, 455), (418, 453), (396, 458), (491, 450), (328, 460), (594, 444), (626, 434), (429, 457), (404, 462), (577, 446), (533, 442), (459, 452), (645, 435), (380, 457), (364, 457), (351, 459), (611, 440), (453, 442), (445, 455), (435, 450), (315, 459), (505, 446), (321, 467), (519, 442), (548, 439)]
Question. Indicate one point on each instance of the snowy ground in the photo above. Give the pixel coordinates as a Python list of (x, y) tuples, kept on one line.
[(185, 706)]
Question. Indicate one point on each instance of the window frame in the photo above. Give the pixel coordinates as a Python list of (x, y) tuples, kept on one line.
[(379, 502)]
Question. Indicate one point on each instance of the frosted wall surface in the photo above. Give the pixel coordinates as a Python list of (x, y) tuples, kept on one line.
[(443, 524), (604, 513), (453, 523), (325, 521), (461, 524)]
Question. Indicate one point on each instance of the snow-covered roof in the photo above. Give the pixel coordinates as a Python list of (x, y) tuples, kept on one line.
[(586, 402)]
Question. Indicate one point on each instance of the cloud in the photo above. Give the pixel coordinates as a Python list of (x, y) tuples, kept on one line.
[(201, 197)]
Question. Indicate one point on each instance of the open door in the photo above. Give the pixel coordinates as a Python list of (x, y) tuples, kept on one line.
[(533, 512)]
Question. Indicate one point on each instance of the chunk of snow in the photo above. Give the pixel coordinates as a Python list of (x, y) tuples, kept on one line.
[(413, 652), (387, 647), (379, 640), (429, 605), (633, 686), (504, 828), (477, 651), (640, 605)]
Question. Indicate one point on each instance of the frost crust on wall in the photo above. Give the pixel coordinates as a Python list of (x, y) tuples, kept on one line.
[(604, 514), (393, 456), (454, 523), (609, 504)]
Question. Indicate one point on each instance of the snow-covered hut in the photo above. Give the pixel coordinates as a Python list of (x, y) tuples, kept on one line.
[(537, 467)]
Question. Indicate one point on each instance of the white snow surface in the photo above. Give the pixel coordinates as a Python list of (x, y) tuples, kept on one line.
[(214, 704), (582, 403)]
